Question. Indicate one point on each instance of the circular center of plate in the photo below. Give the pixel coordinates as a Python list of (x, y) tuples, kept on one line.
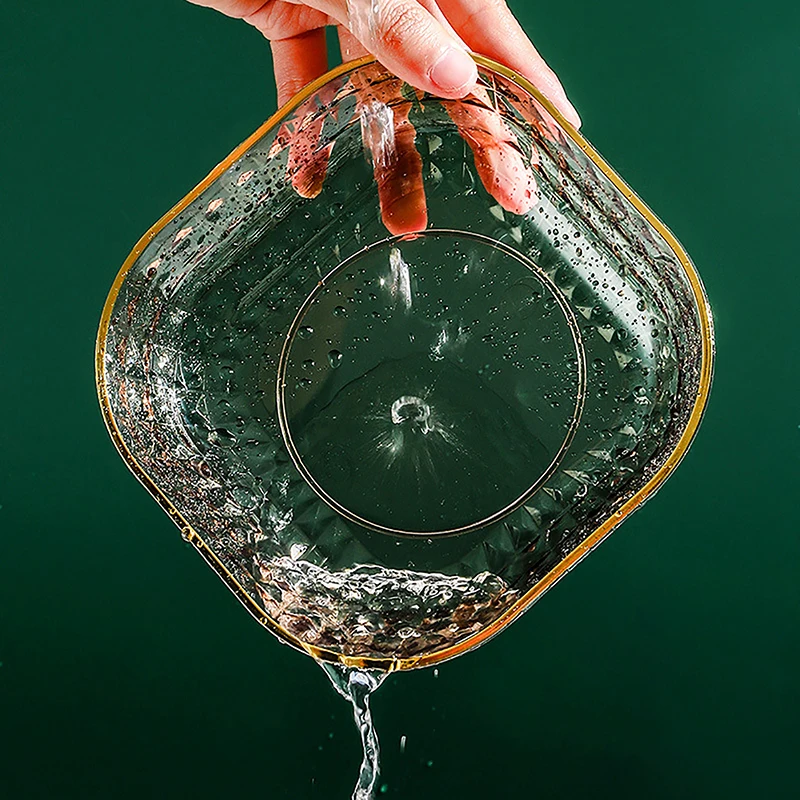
[(429, 384)]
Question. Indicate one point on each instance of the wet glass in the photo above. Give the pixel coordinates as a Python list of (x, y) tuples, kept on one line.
[(398, 363), (422, 391)]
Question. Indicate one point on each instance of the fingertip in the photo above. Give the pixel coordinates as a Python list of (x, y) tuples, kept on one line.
[(569, 112), (407, 214), (454, 74), (552, 88), (307, 167), (517, 196)]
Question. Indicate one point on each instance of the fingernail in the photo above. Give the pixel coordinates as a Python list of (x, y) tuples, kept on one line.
[(568, 110), (573, 116), (454, 70)]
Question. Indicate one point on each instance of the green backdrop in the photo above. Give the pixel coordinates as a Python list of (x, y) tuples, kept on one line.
[(665, 666)]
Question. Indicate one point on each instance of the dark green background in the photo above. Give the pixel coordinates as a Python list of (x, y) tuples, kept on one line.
[(666, 666)]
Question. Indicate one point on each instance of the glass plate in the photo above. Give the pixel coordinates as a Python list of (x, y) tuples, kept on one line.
[(398, 363)]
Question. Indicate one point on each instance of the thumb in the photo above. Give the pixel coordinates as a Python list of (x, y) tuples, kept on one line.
[(410, 42)]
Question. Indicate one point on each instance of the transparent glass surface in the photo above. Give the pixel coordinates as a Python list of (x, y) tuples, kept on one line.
[(385, 425), (424, 390)]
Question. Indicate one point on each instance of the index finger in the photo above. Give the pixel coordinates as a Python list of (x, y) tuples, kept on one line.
[(489, 27)]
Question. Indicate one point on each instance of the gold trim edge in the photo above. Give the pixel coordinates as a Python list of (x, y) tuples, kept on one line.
[(564, 566)]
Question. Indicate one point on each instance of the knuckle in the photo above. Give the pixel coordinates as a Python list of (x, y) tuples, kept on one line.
[(399, 22), (493, 9), (488, 13), (270, 19)]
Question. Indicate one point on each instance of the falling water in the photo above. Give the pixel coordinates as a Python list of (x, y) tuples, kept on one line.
[(377, 133), (356, 685), (363, 19)]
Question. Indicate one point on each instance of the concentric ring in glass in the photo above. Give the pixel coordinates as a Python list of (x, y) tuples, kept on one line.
[(430, 383)]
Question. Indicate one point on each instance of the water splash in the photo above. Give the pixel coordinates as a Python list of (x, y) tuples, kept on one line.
[(362, 16), (377, 118), (376, 611), (377, 133), (356, 685), (414, 411), (400, 276)]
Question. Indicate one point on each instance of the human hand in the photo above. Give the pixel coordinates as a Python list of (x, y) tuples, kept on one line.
[(426, 45)]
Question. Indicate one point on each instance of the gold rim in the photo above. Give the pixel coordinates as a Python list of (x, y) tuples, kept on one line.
[(580, 552)]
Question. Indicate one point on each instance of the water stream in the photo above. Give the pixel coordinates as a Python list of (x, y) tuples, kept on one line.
[(363, 19), (378, 135), (356, 685)]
